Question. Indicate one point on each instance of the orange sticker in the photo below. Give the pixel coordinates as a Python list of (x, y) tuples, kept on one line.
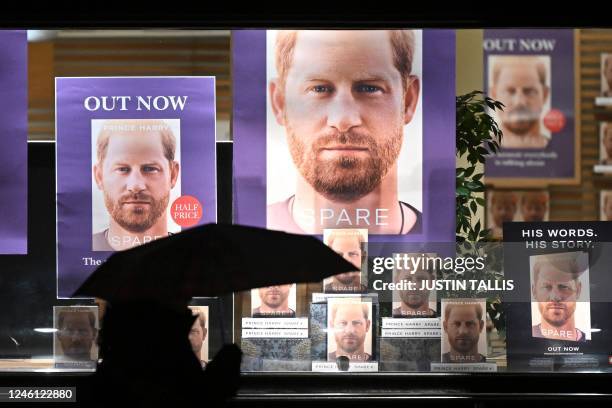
[(554, 120), (186, 211)]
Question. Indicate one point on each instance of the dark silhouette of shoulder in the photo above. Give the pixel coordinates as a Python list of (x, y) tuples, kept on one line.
[(150, 370)]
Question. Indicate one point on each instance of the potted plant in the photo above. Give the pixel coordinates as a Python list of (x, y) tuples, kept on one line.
[(478, 137)]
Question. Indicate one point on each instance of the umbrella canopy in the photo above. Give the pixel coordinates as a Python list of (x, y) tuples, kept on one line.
[(212, 260)]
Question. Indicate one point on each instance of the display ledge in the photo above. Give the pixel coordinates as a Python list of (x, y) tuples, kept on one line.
[(435, 389), (383, 389)]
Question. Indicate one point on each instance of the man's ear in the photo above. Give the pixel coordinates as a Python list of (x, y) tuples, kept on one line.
[(175, 168), (578, 289), (411, 97), (481, 324), (445, 325), (368, 324), (277, 99), (204, 333), (97, 173)]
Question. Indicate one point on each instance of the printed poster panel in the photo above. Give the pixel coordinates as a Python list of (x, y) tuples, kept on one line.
[(346, 130), (14, 155), (557, 316), (135, 163), (532, 73)]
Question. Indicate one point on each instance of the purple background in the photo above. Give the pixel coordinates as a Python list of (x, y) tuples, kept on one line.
[(249, 132), (14, 153), (74, 174), (562, 98)]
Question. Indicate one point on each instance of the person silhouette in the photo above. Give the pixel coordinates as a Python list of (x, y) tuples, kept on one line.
[(147, 359)]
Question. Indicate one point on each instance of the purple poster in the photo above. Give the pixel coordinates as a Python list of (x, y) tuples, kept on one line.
[(14, 154), (135, 162), (346, 130), (532, 73)]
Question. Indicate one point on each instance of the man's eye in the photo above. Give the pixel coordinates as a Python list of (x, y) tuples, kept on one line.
[(123, 169), (321, 89), (150, 169), (368, 88)]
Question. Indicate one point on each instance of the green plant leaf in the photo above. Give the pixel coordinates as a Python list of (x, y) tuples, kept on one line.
[(463, 191), (469, 171)]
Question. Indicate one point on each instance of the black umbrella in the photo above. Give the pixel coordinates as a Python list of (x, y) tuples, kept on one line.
[(212, 260)]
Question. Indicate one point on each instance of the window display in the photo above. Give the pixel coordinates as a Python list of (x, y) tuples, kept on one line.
[(346, 136)]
